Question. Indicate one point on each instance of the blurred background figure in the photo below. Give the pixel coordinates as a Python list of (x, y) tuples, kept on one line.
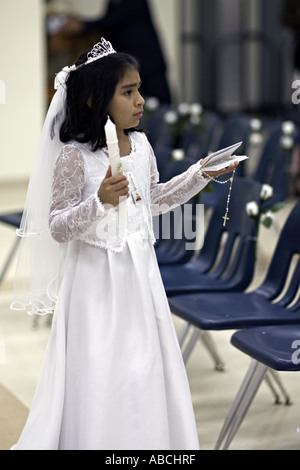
[(291, 20), (129, 26)]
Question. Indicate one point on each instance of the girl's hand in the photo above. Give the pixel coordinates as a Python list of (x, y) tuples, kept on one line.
[(112, 188), (224, 171)]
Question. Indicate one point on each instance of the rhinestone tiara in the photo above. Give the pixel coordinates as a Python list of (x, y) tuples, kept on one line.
[(101, 49)]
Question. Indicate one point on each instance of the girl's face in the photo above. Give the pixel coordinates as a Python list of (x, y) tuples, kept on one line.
[(126, 106)]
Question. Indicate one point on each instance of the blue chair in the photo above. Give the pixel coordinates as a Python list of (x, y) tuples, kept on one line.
[(171, 247), (197, 140), (271, 348), (274, 302), (158, 131), (275, 162), (177, 243), (13, 219), (227, 259)]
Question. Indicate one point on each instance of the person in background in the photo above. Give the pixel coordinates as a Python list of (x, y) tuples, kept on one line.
[(129, 26), (290, 18)]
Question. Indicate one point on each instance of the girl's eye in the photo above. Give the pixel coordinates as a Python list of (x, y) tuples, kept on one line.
[(128, 93)]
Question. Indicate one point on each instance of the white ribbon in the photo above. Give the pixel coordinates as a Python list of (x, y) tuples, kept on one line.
[(61, 77)]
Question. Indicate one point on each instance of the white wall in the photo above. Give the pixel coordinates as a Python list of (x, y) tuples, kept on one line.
[(23, 78), (22, 75), (82, 8), (166, 18)]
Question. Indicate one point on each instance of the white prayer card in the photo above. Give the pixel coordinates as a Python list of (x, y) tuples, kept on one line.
[(222, 158)]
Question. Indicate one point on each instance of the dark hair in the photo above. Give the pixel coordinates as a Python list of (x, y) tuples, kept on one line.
[(97, 82)]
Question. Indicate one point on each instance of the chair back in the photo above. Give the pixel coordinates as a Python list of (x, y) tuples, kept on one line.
[(275, 162), (158, 131), (283, 275), (197, 139), (229, 250), (174, 238)]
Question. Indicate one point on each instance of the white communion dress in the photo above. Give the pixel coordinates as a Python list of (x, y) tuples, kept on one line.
[(113, 376)]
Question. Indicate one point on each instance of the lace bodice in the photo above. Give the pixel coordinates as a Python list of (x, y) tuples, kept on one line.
[(77, 213)]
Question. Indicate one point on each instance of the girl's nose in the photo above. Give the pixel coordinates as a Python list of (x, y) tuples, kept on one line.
[(140, 100)]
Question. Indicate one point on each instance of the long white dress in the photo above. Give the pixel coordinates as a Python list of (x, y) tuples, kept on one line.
[(113, 376)]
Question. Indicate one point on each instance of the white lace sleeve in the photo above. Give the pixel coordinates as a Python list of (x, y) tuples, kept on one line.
[(70, 215), (177, 191)]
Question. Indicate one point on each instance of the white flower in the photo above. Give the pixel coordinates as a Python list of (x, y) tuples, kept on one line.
[(252, 209), (178, 154), (196, 108), (255, 124), (152, 103), (183, 109), (286, 142), (170, 117), (288, 127), (255, 138), (266, 192)]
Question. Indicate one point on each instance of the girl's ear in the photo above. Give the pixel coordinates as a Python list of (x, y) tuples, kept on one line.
[(90, 102)]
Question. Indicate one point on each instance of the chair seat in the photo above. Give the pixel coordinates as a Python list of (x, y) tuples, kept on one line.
[(185, 279), (271, 346), (227, 257), (234, 310), (12, 218), (173, 254)]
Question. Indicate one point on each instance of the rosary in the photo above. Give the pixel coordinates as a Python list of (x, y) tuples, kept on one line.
[(225, 217)]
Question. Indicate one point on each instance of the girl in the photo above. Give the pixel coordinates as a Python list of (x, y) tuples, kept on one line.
[(113, 376)]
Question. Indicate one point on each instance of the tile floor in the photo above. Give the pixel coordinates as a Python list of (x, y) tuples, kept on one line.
[(266, 427)]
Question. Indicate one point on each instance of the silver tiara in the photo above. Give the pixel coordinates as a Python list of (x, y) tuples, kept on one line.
[(101, 49)]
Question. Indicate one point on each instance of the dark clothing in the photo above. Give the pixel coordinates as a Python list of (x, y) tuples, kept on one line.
[(291, 19), (129, 27)]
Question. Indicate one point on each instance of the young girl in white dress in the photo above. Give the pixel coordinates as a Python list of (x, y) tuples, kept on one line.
[(113, 376)]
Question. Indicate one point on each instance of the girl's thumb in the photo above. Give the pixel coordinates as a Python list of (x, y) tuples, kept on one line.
[(108, 173)]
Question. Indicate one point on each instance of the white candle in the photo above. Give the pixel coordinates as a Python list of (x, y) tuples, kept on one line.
[(116, 167), (113, 148)]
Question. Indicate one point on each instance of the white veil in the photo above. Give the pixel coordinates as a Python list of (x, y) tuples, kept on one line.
[(40, 257)]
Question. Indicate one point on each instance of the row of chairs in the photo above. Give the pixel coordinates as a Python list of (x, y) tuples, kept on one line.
[(276, 140), (197, 140), (260, 315), (266, 319)]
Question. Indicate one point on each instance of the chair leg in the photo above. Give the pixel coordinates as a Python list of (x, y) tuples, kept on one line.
[(246, 402), (209, 343), (237, 402), (183, 333), (9, 258), (273, 389), (245, 395), (190, 346), (277, 379)]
